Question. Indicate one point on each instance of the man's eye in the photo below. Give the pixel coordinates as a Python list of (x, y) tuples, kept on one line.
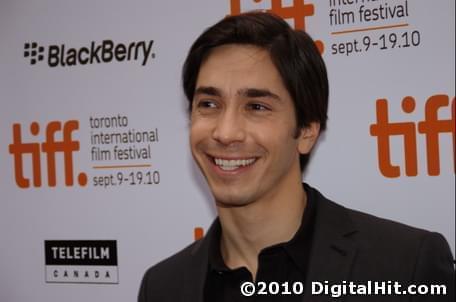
[(257, 107), (207, 104)]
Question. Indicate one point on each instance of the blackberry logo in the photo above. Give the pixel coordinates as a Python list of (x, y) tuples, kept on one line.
[(34, 52), (106, 51)]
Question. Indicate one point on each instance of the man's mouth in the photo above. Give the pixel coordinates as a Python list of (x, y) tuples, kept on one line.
[(232, 164)]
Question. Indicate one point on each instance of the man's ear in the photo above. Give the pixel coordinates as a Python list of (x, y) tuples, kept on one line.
[(307, 137)]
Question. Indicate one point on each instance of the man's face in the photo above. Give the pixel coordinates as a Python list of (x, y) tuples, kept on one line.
[(243, 127)]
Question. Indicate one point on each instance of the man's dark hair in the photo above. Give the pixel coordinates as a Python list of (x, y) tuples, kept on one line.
[(293, 53)]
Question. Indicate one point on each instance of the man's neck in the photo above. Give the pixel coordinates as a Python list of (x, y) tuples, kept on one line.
[(249, 229)]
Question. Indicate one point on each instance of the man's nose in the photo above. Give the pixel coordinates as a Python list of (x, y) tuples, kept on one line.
[(229, 127)]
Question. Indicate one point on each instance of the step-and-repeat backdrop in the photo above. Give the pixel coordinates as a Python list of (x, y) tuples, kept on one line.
[(97, 181)]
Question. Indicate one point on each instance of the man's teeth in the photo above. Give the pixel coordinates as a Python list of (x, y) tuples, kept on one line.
[(233, 164)]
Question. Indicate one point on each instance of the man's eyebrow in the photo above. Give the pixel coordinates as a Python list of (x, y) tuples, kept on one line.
[(245, 92), (209, 90), (258, 93)]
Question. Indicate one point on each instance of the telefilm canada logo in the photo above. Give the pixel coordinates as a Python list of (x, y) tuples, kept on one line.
[(81, 261), (94, 52)]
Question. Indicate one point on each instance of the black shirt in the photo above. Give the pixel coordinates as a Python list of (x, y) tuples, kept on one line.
[(283, 262)]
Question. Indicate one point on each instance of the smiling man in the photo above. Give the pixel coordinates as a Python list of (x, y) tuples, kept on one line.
[(258, 94)]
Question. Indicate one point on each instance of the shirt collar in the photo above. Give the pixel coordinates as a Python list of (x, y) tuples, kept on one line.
[(296, 248)]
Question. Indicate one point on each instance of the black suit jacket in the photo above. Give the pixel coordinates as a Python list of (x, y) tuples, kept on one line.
[(347, 246)]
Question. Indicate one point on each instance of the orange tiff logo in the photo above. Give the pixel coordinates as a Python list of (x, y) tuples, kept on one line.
[(431, 127), (50, 147), (298, 12)]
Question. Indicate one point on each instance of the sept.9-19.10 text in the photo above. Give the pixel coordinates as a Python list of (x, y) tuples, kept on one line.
[(383, 41), (129, 178)]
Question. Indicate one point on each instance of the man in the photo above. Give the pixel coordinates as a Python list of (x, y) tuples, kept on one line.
[(258, 96)]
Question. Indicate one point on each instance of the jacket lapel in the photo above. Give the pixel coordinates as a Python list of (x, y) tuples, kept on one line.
[(333, 248)]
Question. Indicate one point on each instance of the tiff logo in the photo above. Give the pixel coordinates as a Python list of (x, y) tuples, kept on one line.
[(431, 127), (33, 51), (50, 147), (298, 12)]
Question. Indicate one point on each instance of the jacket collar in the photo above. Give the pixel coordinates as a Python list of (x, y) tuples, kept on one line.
[(334, 246)]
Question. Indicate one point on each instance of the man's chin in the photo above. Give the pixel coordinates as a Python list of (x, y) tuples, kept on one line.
[(231, 200)]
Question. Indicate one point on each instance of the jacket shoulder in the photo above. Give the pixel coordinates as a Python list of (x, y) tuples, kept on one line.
[(163, 281), (384, 249), (378, 229), (171, 265), (386, 246)]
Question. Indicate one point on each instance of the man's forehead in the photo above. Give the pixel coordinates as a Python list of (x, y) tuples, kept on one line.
[(240, 69), (237, 53)]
